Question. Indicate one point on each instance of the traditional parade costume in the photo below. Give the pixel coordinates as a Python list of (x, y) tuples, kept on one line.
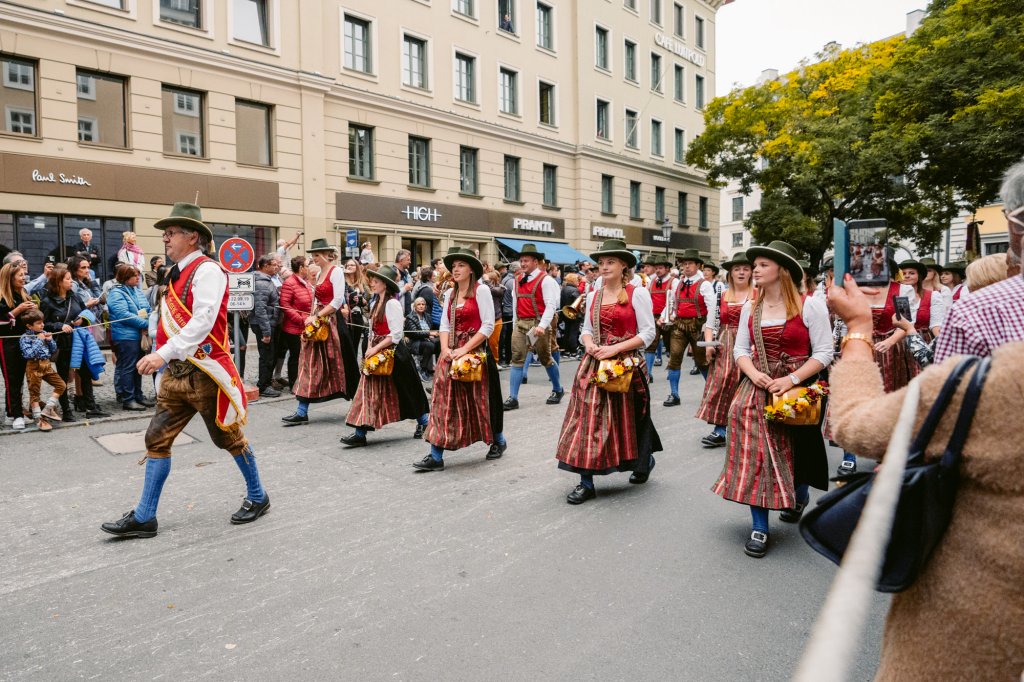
[(690, 303), (659, 288), (927, 308), (604, 432), (465, 412), (382, 399), (535, 300), (769, 465), (724, 374), (327, 366), (200, 376)]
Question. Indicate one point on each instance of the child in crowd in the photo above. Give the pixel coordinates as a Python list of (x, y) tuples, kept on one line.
[(37, 347)]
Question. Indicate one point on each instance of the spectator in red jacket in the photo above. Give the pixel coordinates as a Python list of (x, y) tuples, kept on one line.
[(296, 304)]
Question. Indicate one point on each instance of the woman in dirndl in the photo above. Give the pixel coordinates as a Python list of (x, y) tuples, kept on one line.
[(724, 375), (464, 412), (927, 307), (384, 399), (781, 342), (327, 368), (604, 431), (896, 363)]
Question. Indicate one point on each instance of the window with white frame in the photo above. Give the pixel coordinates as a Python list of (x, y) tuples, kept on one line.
[(251, 21), (465, 77), (358, 55), (679, 83), (508, 91), (737, 240), (702, 213), (186, 104), (19, 75), (681, 208), (629, 52), (659, 204), (464, 7), (19, 120), (656, 72), (603, 129), (607, 193), (546, 103), (634, 199), (601, 47), (414, 62), (507, 19), (680, 145), (184, 12), (511, 178), (550, 185), (737, 209), (698, 92), (629, 4), (545, 26), (253, 132), (632, 129), (86, 86), (101, 100), (113, 4), (698, 37), (188, 143), (468, 170), (656, 142), (360, 151), (678, 22), (419, 161), (87, 129), (656, 11), (183, 121)]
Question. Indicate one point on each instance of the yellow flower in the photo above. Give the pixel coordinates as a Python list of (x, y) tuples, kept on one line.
[(619, 370)]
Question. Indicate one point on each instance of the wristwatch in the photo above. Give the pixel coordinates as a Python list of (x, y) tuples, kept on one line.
[(795, 379)]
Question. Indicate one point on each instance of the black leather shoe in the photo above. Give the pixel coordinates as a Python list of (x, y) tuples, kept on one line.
[(657, 362), (96, 413), (511, 404), (638, 477), (846, 468), (295, 420), (420, 428), (133, 406), (555, 397), (713, 440), (580, 494), (250, 511), (128, 527), (428, 463), (270, 392), (695, 370), (497, 450), (526, 379), (146, 403), (68, 416), (793, 515), (354, 441), (757, 545), (671, 400)]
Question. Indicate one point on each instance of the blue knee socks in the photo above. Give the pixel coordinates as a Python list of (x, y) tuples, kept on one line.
[(556, 384), (673, 381), (303, 409), (649, 359), (803, 493), (423, 419), (515, 380), (849, 457), (704, 372), (361, 432), (247, 463), (157, 469), (587, 481), (437, 453), (499, 438), (759, 516), (719, 430)]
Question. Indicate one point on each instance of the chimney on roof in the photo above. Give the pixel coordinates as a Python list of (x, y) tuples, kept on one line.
[(914, 20)]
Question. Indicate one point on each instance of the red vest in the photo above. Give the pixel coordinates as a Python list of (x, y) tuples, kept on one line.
[(924, 312), (325, 290), (381, 327), (466, 319), (659, 294), (959, 290), (882, 317), (689, 302), (530, 298)]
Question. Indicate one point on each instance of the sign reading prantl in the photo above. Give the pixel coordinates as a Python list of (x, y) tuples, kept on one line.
[(678, 48), (529, 225), (608, 232)]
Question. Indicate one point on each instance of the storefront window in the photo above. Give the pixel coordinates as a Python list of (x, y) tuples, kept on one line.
[(41, 237)]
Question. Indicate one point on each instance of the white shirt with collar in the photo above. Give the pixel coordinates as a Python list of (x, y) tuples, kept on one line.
[(816, 319), (549, 291), (642, 307), (706, 290), (637, 281), (394, 313), (208, 286), (485, 307)]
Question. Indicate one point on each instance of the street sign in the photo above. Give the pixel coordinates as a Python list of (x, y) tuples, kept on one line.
[(241, 282), (236, 255), (241, 301), (352, 243)]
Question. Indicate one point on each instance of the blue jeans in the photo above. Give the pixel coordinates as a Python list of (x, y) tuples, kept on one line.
[(129, 381)]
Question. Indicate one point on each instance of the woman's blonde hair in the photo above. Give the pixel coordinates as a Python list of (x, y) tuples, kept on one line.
[(7, 274), (986, 271), (572, 279), (360, 278), (790, 294), (125, 236)]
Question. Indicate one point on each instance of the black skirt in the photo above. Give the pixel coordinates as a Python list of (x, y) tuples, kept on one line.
[(412, 399)]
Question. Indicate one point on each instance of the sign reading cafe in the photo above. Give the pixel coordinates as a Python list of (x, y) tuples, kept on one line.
[(678, 48), (59, 178)]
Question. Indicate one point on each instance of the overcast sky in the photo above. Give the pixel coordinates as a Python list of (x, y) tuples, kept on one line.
[(754, 35)]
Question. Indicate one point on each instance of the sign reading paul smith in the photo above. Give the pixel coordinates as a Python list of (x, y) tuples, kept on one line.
[(360, 208), (678, 48)]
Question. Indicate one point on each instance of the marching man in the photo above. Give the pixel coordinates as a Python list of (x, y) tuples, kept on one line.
[(199, 375), (691, 303)]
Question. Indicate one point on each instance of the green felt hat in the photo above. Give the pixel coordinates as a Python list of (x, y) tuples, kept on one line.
[(959, 267), (388, 275), (187, 215), (466, 256), (321, 245), (921, 268), (780, 252), (616, 248), (531, 250), (691, 254), (737, 259)]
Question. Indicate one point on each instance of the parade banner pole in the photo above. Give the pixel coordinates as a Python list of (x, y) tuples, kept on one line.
[(238, 346)]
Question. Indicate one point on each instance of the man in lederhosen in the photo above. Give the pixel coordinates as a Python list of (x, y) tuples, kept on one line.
[(534, 304), (192, 344), (690, 303), (660, 285)]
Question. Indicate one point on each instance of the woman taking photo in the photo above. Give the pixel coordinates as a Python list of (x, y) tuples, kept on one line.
[(603, 431), (423, 343), (927, 307), (782, 342), (383, 399), (724, 374), (296, 298), (129, 312), (14, 302), (327, 368), (464, 412), (357, 298)]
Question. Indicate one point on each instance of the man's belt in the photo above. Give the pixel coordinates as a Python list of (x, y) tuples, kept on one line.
[(180, 368)]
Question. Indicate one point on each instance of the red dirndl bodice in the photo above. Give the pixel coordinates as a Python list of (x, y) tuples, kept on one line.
[(325, 290)]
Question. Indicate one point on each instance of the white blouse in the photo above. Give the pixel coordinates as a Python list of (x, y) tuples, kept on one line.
[(394, 314), (815, 317), (643, 307), (937, 309), (484, 303)]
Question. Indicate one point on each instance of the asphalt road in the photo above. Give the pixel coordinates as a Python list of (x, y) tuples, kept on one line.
[(365, 570)]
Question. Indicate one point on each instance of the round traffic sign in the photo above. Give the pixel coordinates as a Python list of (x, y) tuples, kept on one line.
[(236, 255)]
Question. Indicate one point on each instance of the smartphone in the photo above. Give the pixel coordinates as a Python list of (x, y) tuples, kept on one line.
[(862, 249), (902, 307), (51, 259)]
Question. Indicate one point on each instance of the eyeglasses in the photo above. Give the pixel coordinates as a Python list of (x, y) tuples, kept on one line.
[(170, 233)]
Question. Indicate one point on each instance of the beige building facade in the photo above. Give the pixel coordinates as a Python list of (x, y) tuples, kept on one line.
[(417, 124)]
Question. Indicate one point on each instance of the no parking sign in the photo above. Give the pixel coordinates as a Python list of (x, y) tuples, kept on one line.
[(236, 255)]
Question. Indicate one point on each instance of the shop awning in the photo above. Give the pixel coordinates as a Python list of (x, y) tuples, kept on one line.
[(554, 252)]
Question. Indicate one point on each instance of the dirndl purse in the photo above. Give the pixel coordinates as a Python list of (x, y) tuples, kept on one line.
[(927, 494), (615, 375), (380, 364), (318, 331), (470, 367), (809, 415)]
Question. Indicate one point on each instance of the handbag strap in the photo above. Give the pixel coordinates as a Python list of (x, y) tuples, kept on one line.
[(951, 456), (755, 332), (938, 410), (595, 314)]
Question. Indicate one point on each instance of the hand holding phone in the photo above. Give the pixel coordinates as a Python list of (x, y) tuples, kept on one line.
[(902, 307)]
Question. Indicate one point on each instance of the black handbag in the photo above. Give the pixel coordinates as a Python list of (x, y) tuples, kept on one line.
[(926, 499)]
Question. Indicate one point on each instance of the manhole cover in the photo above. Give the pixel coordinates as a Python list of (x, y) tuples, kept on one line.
[(134, 441)]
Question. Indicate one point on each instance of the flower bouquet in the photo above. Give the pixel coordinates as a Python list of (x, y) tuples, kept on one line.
[(800, 406), (317, 331), (615, 375), (380, 364), (470, 367)]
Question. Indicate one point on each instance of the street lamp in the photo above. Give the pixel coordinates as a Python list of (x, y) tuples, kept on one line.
[(666, 234)]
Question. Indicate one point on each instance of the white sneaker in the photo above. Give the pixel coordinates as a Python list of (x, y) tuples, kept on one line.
[(19, 423)]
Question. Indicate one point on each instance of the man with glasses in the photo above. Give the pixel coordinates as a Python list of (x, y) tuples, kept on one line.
[(982, 321), (197, 373)]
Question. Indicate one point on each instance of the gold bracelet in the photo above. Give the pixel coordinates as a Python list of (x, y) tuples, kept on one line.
[(857, 337)]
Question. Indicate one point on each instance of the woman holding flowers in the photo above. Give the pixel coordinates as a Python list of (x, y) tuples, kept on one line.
[(607, 427), (465, 405), (724, 375), (782, 343), (386, 397)]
